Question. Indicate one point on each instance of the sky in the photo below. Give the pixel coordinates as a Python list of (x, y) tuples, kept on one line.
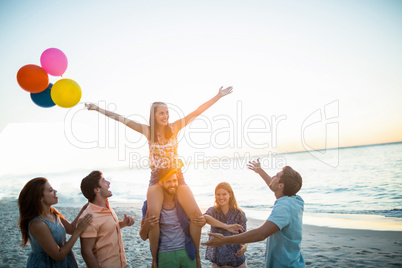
[(307, 75)]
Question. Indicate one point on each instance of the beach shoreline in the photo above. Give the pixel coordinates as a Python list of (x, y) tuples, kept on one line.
[(321, 246), (332, 220)]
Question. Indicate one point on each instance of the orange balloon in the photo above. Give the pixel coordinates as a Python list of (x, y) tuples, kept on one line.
[(32, 78)]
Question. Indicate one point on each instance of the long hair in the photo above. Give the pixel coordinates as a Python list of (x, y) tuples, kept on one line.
[(152, 123), (30, 205), (232, 200)]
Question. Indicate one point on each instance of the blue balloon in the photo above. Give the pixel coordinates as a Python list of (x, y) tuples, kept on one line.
[(43, 99)]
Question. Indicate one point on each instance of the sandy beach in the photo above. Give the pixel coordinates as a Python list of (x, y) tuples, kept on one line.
[(321, 246)]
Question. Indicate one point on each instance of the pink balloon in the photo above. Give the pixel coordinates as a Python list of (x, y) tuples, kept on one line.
[(54, 61)]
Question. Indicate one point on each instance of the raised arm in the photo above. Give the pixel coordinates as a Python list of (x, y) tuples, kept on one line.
[(255, 235), (140, 128), (181, 123), (42, 234), (256, 167)]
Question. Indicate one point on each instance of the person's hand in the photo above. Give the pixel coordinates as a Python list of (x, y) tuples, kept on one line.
[(241, 251), (83, 223), (91, 106), (128, 220), (225, 91), (74, 223), (149, 222), (254, 165), (215, 240), (234, 228), (199, 221)]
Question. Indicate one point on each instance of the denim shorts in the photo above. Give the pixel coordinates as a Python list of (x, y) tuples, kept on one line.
[(155, 178)]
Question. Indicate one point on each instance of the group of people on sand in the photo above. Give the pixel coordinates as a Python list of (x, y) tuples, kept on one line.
[(171, 220)]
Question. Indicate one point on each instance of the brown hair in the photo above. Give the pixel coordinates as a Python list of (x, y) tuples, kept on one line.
[(152, 123), (89, 183), (30, 205), (291, 180), (232, 201)]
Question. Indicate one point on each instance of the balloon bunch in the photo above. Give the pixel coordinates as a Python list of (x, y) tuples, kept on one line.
[(65, 92)]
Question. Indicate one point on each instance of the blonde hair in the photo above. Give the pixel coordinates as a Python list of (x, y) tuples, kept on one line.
[(232, 200)]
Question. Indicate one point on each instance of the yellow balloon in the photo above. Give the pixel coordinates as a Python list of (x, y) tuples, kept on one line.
[(66, 93)]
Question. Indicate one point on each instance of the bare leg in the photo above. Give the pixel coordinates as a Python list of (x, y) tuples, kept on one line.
[(188, 203), (154, 201)]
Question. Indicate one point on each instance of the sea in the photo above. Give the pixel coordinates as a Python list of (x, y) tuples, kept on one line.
[(353, 185)]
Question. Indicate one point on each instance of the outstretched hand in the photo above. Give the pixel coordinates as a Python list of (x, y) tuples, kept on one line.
[(91, 107), (234, 228), (215, 240), (254, 165), (225, 91)]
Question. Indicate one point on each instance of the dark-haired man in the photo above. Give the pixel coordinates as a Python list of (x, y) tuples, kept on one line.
[(102, 243), (176, 249), (283, 227)]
